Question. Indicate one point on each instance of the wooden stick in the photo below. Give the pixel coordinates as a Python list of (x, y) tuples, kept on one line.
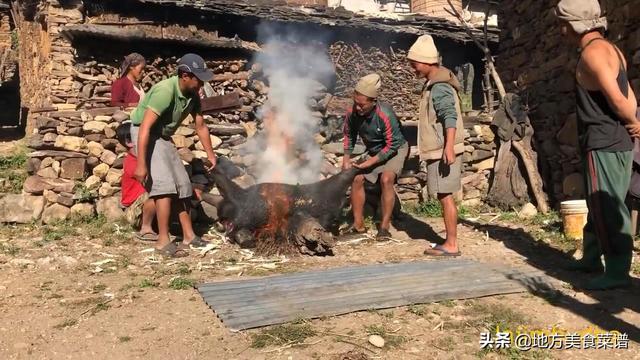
[(123, 23), (243, 75), (483, 47), (534, 176)]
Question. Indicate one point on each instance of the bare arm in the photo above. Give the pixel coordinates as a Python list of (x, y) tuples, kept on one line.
[(142, 169), (450, 138), (448, 153), (604, 75), (350, 138), (203, 134)]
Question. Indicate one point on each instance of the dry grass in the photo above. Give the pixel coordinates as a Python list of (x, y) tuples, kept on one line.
[(287, 334)]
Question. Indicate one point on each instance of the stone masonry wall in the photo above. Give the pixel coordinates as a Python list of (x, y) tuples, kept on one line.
[(533, 53)]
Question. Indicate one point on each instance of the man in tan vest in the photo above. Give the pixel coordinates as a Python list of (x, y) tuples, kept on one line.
[(440, 136)]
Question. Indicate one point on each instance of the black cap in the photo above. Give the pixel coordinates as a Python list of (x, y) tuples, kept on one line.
[(195, 64)]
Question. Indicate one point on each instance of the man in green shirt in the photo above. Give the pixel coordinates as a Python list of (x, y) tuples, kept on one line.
[(159, 167)]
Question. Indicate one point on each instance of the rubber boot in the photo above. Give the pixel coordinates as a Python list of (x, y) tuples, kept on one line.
[(590, 262), (616, 274)]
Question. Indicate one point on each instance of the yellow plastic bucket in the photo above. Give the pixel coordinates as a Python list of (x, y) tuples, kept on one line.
[(574, 218)]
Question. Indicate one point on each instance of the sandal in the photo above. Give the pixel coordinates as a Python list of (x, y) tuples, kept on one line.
[(171, 250), (196, 242), (353, 231), (439, 251), (383, 235), (148, 236)]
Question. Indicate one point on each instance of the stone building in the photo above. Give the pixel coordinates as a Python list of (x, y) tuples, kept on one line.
[(533, 53)]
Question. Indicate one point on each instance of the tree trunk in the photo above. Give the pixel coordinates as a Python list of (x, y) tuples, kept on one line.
[(508, 189)]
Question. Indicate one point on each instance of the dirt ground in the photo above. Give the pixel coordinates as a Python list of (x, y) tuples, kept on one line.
[(88, 290)]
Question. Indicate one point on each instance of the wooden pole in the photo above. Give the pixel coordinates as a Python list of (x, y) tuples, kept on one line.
[(490, 67), (534, 176)]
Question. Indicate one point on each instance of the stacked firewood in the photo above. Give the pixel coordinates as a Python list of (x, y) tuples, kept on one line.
[(400, 87)]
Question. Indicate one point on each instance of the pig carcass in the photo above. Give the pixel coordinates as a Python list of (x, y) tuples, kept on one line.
[(278, 218)]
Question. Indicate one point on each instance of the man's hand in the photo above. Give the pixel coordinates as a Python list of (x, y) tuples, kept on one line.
[(364, 165), (213, 160), (449, 155), (346, 163), (140, 173), (634, 129)]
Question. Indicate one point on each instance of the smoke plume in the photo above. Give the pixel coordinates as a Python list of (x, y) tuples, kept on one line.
[(295, 70)]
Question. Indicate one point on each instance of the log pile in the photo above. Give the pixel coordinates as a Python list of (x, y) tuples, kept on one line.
[(478, 160), (398, 79)]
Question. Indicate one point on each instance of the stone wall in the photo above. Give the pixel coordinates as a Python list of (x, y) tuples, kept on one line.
[(533, 53)]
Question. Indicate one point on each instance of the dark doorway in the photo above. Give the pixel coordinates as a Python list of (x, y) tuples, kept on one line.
[(12, 124)]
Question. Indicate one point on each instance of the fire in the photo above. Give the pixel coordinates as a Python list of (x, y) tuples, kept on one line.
[(275, 232)]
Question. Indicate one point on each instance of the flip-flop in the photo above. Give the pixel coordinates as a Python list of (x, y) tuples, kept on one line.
[(197, 243), (353, 231), (148, 236), (171, 250), (439, 251), (383, 235)]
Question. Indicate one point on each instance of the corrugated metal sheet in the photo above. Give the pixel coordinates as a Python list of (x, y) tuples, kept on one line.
[(244, 304)]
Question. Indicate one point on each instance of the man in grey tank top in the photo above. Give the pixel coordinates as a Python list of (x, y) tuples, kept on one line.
[(606, 109)]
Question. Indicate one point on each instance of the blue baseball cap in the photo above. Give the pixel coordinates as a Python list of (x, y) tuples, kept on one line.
[(195, 64)]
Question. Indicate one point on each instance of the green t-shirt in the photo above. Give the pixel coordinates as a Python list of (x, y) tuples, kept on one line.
[(167, 101)]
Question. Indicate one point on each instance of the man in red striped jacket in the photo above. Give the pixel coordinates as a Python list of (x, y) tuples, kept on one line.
[(387, 149)]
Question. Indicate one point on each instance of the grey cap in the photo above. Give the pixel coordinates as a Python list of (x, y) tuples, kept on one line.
[(195, 64)]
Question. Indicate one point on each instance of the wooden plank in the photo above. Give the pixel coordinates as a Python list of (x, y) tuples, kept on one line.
[(226, 129), (220, 103), (78, 113)]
